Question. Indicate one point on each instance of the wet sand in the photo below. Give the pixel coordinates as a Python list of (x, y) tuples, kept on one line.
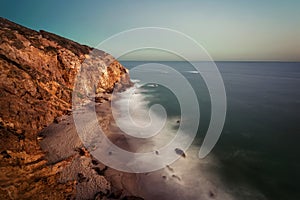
[(93, 179)]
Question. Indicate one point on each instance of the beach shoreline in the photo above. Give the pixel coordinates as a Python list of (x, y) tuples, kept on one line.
[(61, 141)]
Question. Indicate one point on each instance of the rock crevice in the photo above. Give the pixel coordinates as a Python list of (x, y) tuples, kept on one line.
[(38, 72)]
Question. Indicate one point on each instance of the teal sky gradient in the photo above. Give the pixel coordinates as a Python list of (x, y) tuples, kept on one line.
[(228, 29)]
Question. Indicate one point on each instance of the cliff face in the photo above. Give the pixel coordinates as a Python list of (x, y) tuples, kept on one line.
[(38, 71)]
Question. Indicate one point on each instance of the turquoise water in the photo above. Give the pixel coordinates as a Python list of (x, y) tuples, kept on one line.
[(259, 146)]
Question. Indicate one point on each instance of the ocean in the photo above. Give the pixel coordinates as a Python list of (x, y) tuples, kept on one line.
[(257, 154)]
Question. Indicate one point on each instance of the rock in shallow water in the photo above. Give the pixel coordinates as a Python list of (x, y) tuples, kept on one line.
[(180, 152)]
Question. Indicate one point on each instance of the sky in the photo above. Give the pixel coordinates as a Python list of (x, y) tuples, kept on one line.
[(229, 30)]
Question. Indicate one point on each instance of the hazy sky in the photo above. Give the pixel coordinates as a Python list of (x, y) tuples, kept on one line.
[(227, 29)]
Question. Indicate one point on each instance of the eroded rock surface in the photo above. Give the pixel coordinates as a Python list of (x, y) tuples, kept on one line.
[(38, 71)]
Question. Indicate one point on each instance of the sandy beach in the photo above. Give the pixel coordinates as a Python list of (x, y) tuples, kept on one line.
[(60, 141)]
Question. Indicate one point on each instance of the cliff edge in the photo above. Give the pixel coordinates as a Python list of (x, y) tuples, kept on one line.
[(38, 71)]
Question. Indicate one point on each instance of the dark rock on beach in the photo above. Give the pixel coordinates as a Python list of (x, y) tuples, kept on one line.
[(180, 152)]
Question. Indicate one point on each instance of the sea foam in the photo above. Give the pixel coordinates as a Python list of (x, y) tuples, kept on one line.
[(186, 178)]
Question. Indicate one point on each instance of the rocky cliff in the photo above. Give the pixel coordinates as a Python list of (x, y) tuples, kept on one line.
[(38, 71)]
